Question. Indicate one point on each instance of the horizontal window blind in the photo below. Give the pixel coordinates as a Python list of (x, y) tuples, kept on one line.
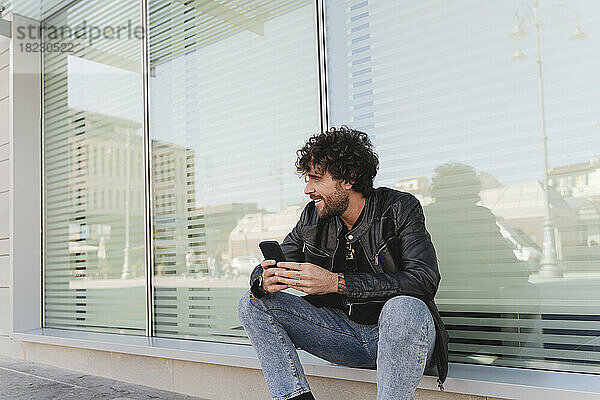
[(34, 9), (232, 95), (93, 170), (453, 104)]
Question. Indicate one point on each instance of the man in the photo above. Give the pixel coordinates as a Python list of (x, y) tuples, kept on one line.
[(368, 267)]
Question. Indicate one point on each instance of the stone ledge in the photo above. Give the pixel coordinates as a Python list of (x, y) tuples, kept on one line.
[(477, 380)]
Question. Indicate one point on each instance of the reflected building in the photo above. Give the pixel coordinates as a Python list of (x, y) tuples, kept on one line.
[(522, 206), (179, 226), (107, 192), (419, 187), (221, 220), (583, 251), (577, 180), (579, 184), (256, 227), (106, 180)]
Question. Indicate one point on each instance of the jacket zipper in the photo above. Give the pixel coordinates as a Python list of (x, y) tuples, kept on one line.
[(314, 250), (375, 267), (366, 255), (337, 242), (381, 249)]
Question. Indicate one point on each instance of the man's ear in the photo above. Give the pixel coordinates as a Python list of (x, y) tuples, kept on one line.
[(348, 185)]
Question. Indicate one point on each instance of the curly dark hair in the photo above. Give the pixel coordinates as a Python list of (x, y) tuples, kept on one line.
[(347, 154)]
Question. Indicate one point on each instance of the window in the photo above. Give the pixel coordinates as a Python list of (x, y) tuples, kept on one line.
[(93, 251), (436, 87), (232, 94), (450, 98)]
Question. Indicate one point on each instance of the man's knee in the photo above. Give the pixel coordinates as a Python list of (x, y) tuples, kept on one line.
[(250, 304), (403, 313)]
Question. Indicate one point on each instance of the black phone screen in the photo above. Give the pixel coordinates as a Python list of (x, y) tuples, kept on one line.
[(271, 250)]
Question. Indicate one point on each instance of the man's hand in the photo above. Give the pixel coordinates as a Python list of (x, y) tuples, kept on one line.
[(306, 277), (270, 282)]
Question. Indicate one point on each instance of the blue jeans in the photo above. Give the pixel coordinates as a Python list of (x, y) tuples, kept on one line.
[(399, 346)]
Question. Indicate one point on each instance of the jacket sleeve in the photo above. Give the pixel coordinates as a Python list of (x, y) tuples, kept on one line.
[(417, 275), (291, 246)]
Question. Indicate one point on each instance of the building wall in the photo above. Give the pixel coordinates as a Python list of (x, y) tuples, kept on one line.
[(7, 346), (19, 185)]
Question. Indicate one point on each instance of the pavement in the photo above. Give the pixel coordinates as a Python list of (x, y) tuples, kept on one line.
[(23, 380)]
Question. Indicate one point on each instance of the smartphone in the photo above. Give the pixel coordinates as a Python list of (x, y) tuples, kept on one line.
[(271, 250)]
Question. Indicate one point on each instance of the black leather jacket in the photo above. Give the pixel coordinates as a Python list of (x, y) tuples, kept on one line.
[(396, 245)]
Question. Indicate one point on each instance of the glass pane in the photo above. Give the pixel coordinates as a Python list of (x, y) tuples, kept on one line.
[(94, 169), (452, 100), (233, 94)]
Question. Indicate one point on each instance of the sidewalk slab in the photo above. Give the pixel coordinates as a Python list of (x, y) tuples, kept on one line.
[(23, 380)]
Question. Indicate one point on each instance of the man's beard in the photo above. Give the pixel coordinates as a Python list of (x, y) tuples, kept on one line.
[(335, 204)]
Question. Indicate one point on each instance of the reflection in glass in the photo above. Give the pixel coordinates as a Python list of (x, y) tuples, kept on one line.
[(93, 171), (457, 123), (232, 94), (478, 261)]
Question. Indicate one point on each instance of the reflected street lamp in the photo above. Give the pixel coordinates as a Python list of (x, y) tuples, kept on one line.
[(549, 263)]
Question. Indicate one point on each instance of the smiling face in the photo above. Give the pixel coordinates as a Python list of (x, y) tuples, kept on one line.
[(329, 195)]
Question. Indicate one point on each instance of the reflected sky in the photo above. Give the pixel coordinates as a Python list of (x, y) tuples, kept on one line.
[(445, 87), (244, 105)]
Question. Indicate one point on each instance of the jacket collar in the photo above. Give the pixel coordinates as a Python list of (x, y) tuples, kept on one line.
[(365, 222)]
